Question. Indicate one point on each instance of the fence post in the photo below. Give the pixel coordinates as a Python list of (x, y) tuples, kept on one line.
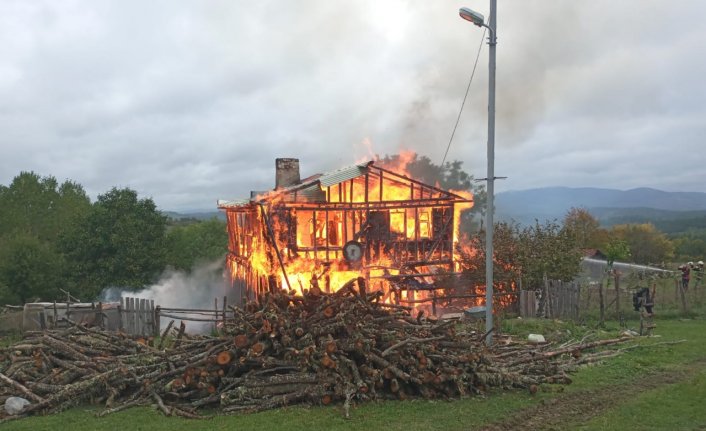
[(684, 307), (617, 294), (100, 315), (141, 320), (131, 315), (215, 305), (225, 309), (150, 317), (601, 302), (121, 308), (157, 321)]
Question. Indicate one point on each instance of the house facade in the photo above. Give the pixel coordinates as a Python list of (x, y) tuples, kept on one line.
[(363, 220)]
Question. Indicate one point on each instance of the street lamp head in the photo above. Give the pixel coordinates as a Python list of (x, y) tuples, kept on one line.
[(472, 16)]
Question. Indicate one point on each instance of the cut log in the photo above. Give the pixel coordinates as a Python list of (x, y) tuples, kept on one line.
[(224, 357)]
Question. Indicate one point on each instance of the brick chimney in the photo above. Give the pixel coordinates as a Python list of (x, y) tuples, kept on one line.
[(286, 172)]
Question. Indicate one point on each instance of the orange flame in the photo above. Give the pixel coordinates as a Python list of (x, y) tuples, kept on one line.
[(322, 234)]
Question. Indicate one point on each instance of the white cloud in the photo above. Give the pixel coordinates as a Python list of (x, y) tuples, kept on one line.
[(191, 102)]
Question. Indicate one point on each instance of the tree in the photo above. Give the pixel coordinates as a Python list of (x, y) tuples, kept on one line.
[(189, 245), (119, 243), (505, 252), (690, 245), (647, 244), (547, 251), (29, 269), (583, 227), (616, 249), (34, 211), (40, 206)]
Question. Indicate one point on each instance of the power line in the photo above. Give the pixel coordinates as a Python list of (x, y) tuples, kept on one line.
[(473, 73)]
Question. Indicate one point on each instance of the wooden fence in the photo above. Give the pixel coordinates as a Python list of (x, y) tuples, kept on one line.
[(563, 299), (558, 299), (528, 304), (204, 319), (137, 316)]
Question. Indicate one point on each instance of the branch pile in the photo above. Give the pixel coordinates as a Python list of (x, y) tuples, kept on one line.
[(285, 349)]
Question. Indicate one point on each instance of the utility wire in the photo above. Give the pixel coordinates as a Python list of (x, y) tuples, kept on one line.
[(473, 73)]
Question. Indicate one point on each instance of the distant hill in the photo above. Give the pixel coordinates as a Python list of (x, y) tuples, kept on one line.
[(666, 221), (196, 215), (609, 206)]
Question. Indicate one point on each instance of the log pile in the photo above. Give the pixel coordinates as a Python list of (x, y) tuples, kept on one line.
[(285, 349)]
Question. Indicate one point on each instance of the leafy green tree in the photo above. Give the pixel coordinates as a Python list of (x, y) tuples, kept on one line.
[(647, 244), (616, 249), (30, 269), (34, 212), (119, 243), (547, 250), (189, 245), (40, 206), (690, 245)]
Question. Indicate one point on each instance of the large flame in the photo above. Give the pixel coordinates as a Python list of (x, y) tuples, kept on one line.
[(322, 233)]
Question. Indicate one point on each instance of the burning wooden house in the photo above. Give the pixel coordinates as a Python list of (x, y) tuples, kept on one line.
[(366, 220)]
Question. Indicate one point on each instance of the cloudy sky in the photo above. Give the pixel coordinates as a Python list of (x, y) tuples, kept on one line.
[(190, 102)]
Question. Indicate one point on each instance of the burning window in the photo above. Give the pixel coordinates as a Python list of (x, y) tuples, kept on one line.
[(334, 230), (399, 224), (403, 221), (305, 228), (424, 223), (319, 228)]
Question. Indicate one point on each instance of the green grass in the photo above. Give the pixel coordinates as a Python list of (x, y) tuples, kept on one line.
[(679, 406), (388, 415), (675, 404)]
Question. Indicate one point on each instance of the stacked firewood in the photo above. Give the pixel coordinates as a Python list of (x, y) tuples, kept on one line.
[(284, 349)]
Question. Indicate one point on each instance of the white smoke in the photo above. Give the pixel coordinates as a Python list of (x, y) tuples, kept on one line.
[(197, 289), (179, 289)]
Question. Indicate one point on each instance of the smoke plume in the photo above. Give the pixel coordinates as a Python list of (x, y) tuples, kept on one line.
[(197, 289)]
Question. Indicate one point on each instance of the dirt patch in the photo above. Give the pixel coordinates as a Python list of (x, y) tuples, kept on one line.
[(581, 406)]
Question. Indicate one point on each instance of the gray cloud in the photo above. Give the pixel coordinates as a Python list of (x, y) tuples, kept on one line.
[(191, 102)]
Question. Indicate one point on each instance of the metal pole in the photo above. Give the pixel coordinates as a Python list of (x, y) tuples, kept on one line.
[(491, 175)]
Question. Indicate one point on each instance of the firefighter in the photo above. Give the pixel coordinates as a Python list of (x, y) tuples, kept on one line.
[(685, 275)]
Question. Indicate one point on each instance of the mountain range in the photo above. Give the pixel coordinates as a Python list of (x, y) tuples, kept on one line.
[(609, 206)]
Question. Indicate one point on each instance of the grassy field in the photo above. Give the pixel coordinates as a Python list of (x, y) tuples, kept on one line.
[(657, 383)]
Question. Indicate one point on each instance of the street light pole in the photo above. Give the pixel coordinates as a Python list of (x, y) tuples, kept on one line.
[(477, 19)]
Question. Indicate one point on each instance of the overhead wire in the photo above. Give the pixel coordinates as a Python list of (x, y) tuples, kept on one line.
[(458, 119)]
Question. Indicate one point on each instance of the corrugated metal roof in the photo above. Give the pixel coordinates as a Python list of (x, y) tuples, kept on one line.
[(233, 203), (310, 189), (344, 174)]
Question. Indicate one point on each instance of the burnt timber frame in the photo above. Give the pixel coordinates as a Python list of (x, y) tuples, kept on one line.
[(364, 212)]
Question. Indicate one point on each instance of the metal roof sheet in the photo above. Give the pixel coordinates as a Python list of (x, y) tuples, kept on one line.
[(344, 174), (222, 203)]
